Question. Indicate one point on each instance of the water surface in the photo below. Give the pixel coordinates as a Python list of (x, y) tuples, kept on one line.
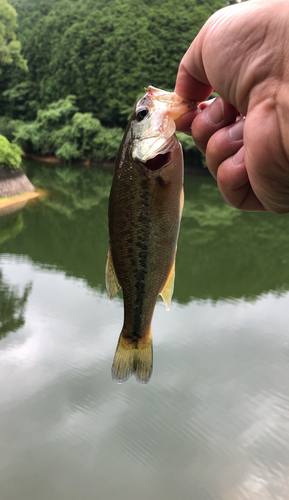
[(213, 422)]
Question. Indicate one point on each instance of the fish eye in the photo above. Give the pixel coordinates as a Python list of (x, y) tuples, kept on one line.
[(141, 114)]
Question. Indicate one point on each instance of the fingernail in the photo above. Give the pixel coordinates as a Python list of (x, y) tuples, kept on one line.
[(215, 112), (239, 157), (236, 131)]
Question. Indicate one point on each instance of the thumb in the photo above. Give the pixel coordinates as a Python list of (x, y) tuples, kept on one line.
[(192, 82), (189, 87)]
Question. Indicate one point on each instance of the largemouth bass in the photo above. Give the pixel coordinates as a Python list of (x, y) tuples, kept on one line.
[(145, 208)]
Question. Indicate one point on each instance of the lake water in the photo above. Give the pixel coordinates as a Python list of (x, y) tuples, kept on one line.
[(213, 422)]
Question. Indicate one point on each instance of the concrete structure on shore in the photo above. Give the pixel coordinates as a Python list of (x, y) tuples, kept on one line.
[(14, 182), (15, 187)]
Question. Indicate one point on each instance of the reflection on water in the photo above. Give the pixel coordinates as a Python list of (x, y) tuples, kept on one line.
[(11, 307), (225, 253), (213, 422), (10, 225), (221, 252)]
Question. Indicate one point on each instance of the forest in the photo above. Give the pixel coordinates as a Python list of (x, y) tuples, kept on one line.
[(75, 69)]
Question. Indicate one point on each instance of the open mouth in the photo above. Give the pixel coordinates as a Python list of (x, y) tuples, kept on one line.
[(158, 161)]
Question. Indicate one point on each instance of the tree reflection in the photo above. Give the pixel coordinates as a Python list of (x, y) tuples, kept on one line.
[(12, 307), (72, 188), (226, 253), (12, 304), (10, 225), (222, 252)]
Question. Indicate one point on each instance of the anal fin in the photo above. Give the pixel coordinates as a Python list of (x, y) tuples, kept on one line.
[(167, 291), (182, 200), (112, 284)]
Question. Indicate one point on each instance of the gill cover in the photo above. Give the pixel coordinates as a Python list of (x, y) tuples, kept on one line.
[(154, 133)]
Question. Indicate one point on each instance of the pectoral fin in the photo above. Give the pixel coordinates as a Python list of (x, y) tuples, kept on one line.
[(168, 289), (112, 284)]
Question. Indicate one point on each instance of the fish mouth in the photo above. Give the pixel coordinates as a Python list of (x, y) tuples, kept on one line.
[(158, 162), (163, 158)]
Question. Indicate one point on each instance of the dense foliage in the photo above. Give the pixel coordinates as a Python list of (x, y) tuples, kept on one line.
[(63, 131), (9, 47), (103, 53), (10, 154)]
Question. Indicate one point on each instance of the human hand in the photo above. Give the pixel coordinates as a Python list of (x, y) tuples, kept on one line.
[(242, 52)]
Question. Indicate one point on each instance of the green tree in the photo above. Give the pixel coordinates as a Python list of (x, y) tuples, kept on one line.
[(19, 101), (10, 48), (10, 154), (60, 129), (104, 53)]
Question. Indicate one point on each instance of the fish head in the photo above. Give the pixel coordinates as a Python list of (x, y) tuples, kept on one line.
[(153, 126)]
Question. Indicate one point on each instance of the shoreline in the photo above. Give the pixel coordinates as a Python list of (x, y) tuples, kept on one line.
[(54, 159), (20, 198), (196, 170)]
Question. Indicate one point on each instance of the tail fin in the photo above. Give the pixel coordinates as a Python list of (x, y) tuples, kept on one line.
[(132, 359)]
